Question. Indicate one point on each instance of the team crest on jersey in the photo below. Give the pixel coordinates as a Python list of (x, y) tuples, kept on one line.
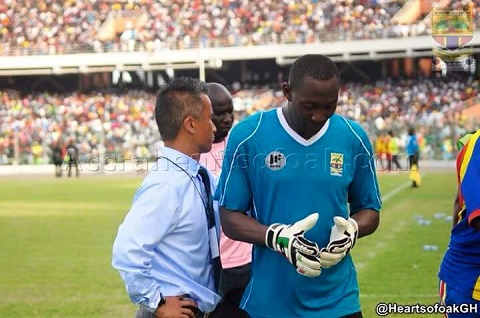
[(275, 160), (336, 164)]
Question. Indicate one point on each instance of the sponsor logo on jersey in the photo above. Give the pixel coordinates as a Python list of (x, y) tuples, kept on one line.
[(275, 160)]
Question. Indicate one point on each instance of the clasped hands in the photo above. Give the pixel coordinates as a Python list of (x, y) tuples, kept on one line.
[(305, 255)]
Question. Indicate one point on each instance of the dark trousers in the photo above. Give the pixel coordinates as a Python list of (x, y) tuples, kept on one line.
[(233, 283), (58, 169), (413, 160), (70, 167), (396, 162)]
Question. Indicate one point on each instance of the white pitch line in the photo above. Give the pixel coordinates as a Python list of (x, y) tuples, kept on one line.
[(397, 190)]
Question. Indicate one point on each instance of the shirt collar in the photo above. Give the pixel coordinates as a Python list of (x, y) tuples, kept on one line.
[(190, 165)]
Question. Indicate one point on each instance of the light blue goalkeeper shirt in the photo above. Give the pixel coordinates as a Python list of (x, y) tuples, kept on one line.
[(285, 178)]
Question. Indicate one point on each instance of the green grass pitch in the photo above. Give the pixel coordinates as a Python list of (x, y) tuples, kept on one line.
[(56, 238)]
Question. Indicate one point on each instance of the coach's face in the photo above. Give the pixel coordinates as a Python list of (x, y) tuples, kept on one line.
[(204, 127), (313, 102)]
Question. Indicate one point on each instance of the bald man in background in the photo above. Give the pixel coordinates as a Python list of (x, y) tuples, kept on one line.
[(236, 256)]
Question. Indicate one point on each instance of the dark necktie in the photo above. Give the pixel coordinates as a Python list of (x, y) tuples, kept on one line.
[(209, 207), (217, 266)]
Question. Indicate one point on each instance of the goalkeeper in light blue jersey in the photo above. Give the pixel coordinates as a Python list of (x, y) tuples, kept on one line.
[(308, 176)]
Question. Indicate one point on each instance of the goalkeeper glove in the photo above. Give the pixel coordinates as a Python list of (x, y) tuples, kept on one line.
[(290, 242), (343, 236), (329, 259)]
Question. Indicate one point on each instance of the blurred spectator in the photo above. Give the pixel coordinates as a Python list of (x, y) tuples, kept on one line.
[(57, 27), (412, 149), (123, 120), (57, 158), (72, 158), (394, 146)]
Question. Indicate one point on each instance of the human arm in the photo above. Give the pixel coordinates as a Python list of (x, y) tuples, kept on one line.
[(367, 221), (364, 202), (363, 193), (472, 202), (153, 213), (469, 181), (288, 240), (456, 210), (234, 193), (240, 227)]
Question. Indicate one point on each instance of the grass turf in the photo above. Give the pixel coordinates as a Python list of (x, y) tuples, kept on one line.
[(57, 236)]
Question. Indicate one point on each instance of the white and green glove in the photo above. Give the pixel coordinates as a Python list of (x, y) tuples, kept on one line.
[(289, 240)]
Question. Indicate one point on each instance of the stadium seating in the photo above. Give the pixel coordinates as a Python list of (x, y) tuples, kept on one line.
[(125, 120), (50, 27)]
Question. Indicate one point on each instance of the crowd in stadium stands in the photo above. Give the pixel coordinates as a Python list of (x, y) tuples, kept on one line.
[(55, 27), (122, 123), (125, 125)]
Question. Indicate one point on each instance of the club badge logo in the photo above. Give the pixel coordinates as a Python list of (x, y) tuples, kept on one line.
[(336, 164), (452, 30)]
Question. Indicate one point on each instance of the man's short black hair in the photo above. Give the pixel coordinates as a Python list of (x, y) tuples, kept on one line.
[(176, 100), (318, 66)]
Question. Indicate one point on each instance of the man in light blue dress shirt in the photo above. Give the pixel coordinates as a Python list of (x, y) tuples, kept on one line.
[(163, 249)]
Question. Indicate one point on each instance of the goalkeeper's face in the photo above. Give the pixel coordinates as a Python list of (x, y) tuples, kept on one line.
[(314, 102)]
